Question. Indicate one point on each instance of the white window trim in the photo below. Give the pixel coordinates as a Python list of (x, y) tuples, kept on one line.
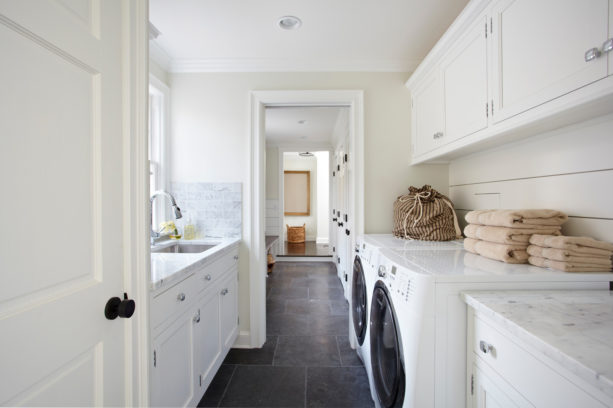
[(160, 88)]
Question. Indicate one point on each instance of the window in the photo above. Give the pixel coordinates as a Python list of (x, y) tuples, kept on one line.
[(158, 135)]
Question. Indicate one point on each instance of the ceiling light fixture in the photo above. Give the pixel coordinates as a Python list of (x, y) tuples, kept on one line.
[(306, 154), (302, 122), (289, 22)]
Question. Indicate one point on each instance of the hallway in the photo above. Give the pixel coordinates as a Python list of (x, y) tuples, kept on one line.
[(306, 360)]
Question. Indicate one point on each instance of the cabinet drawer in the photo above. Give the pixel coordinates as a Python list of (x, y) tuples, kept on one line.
[(536, 381), (216, 269), (173, 301)]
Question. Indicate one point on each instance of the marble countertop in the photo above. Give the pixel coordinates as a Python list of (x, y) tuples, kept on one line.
[(168, 268), (573, 328)]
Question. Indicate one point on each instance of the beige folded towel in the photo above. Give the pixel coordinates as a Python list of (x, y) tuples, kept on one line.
[(580, 245), (506, 235), (537, 219), (565, 266), (501, 252), (555, 254)]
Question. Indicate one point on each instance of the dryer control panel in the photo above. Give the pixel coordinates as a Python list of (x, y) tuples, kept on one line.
[(397, 280)]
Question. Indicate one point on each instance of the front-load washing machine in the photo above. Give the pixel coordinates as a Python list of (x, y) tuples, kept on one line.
[(418, 320)]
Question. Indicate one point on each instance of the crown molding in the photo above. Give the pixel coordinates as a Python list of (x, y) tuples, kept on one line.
[(193, 65), (159, 55)]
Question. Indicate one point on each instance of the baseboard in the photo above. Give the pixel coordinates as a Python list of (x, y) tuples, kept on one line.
[(243, 340), (304, 259), (322, 241)]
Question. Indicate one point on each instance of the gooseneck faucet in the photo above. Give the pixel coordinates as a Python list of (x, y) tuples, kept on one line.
[(176, 209)]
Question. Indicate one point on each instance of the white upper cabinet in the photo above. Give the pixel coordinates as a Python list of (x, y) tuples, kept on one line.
[(464, 74), (428, 120), (542, 50)]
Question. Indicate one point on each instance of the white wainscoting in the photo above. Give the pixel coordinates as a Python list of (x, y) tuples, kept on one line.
[(272, 218), (569, 169)]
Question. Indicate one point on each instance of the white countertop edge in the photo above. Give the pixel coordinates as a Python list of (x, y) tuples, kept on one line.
[(587, 374), (190, 262)]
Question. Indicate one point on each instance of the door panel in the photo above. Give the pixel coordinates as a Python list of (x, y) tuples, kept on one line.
[(428, 117), (61, 101), (536, 61), (229, 309)]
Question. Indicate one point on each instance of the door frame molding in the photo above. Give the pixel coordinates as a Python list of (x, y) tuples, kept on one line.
[(136, 252), (259, 100)]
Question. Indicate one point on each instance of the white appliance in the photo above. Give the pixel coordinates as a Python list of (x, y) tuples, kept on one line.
[(421, 303)]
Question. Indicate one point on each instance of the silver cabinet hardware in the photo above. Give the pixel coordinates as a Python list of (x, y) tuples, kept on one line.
[(236, 257), (437, 135), (381, 271), (208, 277), (197, 317), (607, 46), (224, 292), (485, 347), (181, 297), (592, 54)]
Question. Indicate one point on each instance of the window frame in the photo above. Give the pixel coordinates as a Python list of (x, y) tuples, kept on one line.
[(158, 138)]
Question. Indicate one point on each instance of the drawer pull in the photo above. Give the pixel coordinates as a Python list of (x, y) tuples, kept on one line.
[(224, 292), (208, 277), (181, 297), (438, 135), (197, 317), (607, 46), (592, 54), (236, 257), (486, 347)]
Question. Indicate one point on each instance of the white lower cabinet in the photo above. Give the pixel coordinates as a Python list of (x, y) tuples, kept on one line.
[(191, 344)]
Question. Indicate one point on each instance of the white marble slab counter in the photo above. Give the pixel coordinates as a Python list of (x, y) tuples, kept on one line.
[(573, 328), (168, 268)]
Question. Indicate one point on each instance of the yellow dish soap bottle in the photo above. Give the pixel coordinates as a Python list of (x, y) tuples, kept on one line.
[(189, 230)]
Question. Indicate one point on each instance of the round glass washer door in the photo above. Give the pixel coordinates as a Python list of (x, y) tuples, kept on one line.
[(359, 312), (385, 352)]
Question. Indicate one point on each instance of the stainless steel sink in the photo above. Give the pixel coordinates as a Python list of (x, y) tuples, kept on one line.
[(182, 248)]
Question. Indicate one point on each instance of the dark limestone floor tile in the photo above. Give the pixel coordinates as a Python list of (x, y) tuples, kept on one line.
[(308, 306), (288, 293), (266, 386), (340, 307), (349, 357), (332, 281), (322, 271), (217, 388), (330, 325), (324, 293), (321, 351), (338, 387), (300, 282), (287, 324), (261, 356), (275, 306)]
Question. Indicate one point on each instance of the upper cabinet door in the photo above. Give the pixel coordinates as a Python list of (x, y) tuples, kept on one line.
[(464, 75), (539, 50), (428, 119)]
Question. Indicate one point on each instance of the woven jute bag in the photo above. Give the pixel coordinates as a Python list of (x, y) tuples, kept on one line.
[(425, 214)]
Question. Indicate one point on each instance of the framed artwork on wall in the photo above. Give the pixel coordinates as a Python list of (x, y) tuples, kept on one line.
[(297, 192)]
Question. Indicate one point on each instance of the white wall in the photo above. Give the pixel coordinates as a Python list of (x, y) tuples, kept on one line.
[(210, 139), (323, 197), (293, 162), (160, 73), (569, 169)]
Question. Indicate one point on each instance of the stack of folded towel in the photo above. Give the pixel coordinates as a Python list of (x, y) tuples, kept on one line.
[(504, 235), (570, 254)]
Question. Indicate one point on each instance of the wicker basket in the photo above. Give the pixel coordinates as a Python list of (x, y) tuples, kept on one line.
[(296, 235)]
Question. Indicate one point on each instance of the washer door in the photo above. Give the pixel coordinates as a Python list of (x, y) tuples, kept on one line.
[(359, 312), (385, 349)]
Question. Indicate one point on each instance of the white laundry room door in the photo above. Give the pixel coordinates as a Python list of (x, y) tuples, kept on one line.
[(61, 175)]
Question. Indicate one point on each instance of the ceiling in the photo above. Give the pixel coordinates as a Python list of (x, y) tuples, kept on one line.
[(336, 35), (282, 127)]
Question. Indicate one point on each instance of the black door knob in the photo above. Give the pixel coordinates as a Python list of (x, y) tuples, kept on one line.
[(115, 307)]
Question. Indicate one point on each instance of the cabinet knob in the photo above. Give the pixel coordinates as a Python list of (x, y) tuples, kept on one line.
[(207, 277), (486, 347), (592, 54), (236, 257), (197, 317), (181, 297), (224, 292), (437, 135), (607, 46)]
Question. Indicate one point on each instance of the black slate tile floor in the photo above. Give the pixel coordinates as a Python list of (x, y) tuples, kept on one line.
[(306, 360)]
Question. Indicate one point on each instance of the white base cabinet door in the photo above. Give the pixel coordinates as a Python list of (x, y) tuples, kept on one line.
[(540, 50), (207, 342), (228, 301)]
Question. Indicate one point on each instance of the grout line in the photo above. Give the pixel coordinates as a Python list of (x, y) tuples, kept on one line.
[(274, 353), (338, 349), (227, 386), (306, 384)]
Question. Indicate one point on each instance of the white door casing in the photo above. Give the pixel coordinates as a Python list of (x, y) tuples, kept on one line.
[(63, 170)]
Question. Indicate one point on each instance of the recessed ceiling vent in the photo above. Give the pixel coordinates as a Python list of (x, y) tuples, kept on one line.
[(306, 154), (289, 22)]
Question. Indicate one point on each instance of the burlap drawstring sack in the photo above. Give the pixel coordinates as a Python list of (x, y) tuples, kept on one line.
[(425, 214)]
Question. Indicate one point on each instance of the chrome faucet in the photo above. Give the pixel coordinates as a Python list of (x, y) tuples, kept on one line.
[(176, 209)]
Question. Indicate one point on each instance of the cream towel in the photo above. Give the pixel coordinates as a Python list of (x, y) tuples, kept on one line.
[(565, 266), (555, 254), (501, 252), (506, 235), (580, 245), (537, 219)]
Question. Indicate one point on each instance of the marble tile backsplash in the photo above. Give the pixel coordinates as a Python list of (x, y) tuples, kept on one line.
[(215, 208)]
